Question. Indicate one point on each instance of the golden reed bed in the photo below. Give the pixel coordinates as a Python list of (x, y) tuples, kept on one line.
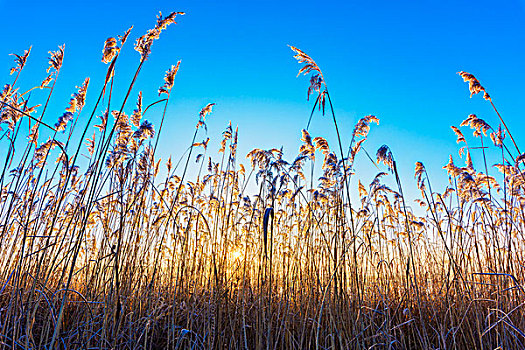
[(105, 246)]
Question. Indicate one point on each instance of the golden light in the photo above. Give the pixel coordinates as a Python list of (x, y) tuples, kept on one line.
[(236, 254)]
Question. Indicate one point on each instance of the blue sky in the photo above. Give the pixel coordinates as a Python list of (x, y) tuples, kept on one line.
[(394, 59)]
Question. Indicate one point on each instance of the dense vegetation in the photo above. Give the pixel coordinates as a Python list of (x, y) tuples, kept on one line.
[(108, 253)]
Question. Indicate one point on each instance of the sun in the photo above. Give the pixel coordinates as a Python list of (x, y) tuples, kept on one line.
[(236, 254)]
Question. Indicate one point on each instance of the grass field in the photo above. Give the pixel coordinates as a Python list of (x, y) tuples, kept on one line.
[(103, 245)]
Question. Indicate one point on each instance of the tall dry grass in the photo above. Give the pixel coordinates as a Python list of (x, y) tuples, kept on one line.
[(108, 253)]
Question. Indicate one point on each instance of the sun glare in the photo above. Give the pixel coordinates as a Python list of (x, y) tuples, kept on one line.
[(236, 254)]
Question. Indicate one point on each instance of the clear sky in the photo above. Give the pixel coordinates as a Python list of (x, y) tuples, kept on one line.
[(394, 59)]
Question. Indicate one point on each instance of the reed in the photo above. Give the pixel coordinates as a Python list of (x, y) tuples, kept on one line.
[(126, 251)]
